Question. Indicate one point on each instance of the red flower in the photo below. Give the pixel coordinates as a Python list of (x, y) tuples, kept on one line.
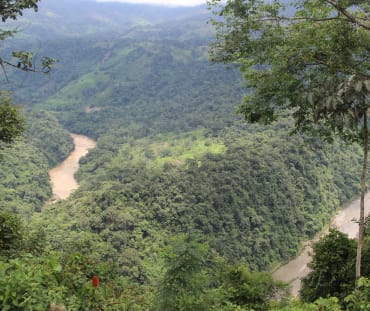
[(95, 281)]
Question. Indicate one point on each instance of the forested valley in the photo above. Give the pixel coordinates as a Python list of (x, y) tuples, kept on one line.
[(182, 205)]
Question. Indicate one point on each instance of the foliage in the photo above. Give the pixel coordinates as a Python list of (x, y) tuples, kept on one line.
[(16, 238), (32, 278), (147, 94), (45, 133), (25, 62), (11, 122), (359, 300), (24, 179), (196, 279), (333, 267), (33, 283), (11, 234), (183, 284), (322, 304), (251, 290), (312, 61), (28, 283), (66, 279), (212, 193), (11, 9), (160, 169)]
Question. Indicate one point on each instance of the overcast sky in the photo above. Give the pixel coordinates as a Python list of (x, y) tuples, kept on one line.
[(162, 2)]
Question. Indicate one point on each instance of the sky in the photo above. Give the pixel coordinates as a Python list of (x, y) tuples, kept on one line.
[(162, 2)]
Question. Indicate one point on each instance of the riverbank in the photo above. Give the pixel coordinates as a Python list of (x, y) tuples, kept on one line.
[(62, 176), (293, 271)]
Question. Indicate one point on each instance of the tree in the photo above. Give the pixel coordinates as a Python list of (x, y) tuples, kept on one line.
[(333, 267), (359, 300), (252, 290), (11, 9), (11, 234), (309, 59), (11, 123), (184, 282)]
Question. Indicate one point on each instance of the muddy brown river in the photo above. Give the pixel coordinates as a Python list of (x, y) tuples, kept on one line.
[(62, 177), (294, 270)]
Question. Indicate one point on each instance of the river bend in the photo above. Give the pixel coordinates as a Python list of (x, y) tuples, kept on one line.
[(62, 177)]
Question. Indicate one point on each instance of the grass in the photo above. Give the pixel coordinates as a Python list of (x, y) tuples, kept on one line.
[(174, 149)]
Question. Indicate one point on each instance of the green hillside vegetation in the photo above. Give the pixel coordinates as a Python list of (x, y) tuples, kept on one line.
[(193, 278), (137, 85), (254, 198), (160, 86), (24, 179), (181, 205), (45, 133)]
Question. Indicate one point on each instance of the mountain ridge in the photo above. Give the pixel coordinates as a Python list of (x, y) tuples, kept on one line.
[(82, 18)]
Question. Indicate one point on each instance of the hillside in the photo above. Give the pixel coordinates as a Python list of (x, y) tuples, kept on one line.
[(24, 180), (172, 155), (164, 118)]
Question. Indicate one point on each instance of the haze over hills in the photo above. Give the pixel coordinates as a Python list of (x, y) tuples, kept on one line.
[(59, 25), (70, 18)]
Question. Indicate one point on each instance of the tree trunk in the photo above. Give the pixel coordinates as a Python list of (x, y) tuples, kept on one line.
[(361, 223)]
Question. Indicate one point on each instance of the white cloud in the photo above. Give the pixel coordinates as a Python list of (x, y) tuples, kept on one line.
[(162, 2)]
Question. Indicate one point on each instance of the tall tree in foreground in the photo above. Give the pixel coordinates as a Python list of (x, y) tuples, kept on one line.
[(309, 59)]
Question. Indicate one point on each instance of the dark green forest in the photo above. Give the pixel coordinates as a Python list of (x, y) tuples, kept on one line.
[(181, 205), (25, 185)]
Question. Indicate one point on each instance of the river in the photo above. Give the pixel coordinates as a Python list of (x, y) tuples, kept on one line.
[(62, 177), (294, 270)]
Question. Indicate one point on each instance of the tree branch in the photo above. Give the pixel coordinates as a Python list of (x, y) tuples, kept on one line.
[(23, 68), (350, 17)]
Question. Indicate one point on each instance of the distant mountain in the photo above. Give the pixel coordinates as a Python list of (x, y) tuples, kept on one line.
[(70, 18), (101, 39), (82, 35)]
